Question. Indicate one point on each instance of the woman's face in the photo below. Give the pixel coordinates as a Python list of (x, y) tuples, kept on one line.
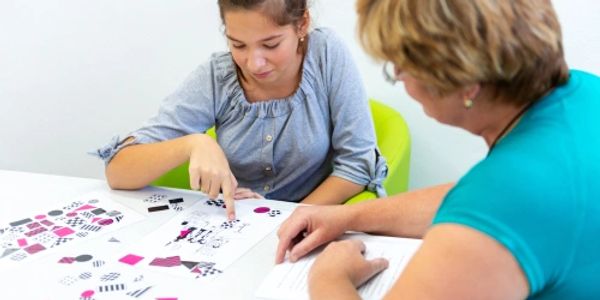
[(447, 109), (263, 50)]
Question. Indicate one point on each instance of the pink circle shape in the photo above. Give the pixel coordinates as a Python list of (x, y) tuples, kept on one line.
[(105, 222), (262, 210), (39, 217), (87, 294), (72, 214)]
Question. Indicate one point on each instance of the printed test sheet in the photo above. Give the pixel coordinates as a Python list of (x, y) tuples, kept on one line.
[(289, 280)]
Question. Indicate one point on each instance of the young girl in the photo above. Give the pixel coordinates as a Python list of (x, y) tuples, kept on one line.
[(290, 111)]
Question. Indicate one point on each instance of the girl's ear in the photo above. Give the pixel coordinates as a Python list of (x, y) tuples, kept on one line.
[(304, 24)]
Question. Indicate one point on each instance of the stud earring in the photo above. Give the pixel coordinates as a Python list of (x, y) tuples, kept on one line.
[(302, 39), (468, 103)]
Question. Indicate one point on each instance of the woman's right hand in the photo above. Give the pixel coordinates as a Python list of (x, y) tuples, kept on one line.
[(209, 170)]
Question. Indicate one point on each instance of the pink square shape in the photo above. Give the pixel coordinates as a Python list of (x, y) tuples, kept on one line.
[(22, 242), (64, 231), (66, 260), (33, 249), (131, 259)]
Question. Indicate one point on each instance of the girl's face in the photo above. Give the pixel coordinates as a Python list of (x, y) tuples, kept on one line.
[(266, 52)]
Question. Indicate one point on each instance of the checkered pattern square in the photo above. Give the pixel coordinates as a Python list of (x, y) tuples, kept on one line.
[(46, 223), (172, 261), (274, 213), (82, 234), (87, 214), (73, 205), (60, 241), (18, 256), (110, 276), (44, 238), (18, 229), (74, 222), (33, 225), (113, 213), (35, 231), (89, 227), (85, 275), (155, 198), (67, 280), (217, 203)]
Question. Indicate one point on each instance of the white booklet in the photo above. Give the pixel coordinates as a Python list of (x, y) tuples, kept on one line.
[(289, 280)]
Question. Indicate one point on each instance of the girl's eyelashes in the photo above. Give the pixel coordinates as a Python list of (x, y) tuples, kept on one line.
[(273, 46)]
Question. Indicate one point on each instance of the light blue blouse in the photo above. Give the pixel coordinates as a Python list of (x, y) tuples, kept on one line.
[(281, 148)]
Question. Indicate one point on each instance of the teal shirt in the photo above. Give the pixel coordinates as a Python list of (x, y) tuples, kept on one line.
[(538, 192)]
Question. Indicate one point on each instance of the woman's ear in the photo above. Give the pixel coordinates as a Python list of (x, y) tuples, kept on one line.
[(471, 91)]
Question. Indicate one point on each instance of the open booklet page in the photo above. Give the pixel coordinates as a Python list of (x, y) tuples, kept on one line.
[(289, 280)]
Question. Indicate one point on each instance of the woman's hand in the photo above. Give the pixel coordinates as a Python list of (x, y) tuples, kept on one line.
[(309, 227), (342, 264), (209, 170)]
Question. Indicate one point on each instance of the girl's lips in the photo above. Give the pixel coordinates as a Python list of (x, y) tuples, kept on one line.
[(262, 75)]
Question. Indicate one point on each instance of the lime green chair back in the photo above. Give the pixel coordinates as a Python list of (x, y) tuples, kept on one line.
[(393, 140), (179, 177)]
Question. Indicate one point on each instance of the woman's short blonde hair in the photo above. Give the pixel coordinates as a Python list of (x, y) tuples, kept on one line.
[(513, 48)]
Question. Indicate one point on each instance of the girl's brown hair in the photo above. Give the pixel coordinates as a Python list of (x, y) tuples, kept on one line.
[(283, 12)]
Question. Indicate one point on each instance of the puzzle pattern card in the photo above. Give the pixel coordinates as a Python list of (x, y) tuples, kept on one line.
[(200, 242), (92, 272), (30, 237), (157, 200)]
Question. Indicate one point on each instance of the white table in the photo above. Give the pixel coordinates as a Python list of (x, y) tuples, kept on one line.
[(22, 192)]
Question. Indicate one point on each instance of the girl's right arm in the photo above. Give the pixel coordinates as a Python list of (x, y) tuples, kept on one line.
[(135, 166)]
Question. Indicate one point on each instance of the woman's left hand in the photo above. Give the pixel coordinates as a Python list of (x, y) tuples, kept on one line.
[(344, 260)]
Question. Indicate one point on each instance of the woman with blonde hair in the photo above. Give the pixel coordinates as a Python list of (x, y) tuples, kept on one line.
[(523, 222)]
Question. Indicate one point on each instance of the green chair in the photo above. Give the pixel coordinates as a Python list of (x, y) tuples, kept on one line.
[(393, 140)]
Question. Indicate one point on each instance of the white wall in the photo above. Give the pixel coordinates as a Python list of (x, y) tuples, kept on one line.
[(74, 73)]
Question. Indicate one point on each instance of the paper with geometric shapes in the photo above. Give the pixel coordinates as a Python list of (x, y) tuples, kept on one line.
[(29, 237), (289, 280), (91, 272), (201, 243)]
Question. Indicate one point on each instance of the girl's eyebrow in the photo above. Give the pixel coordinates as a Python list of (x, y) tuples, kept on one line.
[(263, 40)]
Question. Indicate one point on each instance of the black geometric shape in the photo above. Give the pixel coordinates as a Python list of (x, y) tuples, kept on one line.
[(98, 211), (20, 222), (175, 200), (83, 258), (189, 264), (54, 213)]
